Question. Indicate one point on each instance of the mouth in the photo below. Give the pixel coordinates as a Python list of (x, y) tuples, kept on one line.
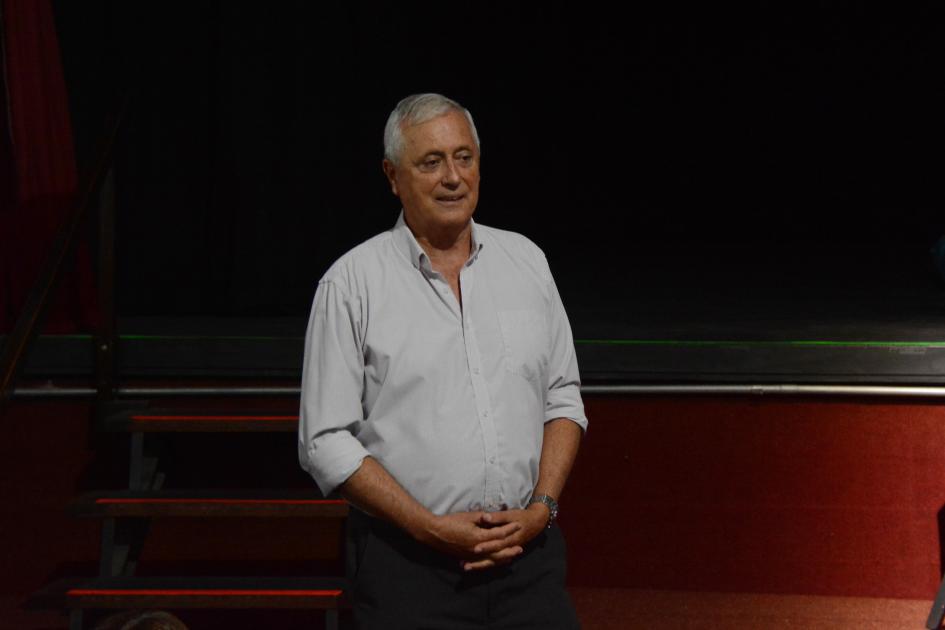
[(450, 199)]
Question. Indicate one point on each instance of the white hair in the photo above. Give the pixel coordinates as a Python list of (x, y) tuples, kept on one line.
[(414, 110)]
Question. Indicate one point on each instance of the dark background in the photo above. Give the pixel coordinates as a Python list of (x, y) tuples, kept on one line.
[(754, 156), (748, 152)]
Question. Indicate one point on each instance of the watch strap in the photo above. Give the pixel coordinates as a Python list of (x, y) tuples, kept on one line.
[(550, 503)]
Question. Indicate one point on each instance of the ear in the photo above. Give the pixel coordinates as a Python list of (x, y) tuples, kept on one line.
[(390, 171)]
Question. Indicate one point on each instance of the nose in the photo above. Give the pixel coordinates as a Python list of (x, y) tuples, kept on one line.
[(450, 174)]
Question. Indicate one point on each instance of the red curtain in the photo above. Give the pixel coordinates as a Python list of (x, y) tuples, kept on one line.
[(37, 171)]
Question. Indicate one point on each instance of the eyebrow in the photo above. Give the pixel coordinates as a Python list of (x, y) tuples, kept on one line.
[(443, 153)]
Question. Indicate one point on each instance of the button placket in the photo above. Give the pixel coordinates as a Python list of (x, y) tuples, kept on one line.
[(480, 393), (442, 288)]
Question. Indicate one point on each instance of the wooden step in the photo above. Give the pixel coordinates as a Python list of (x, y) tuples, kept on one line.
[(202, 421), (326, 594), (208, 503), (207, 592)]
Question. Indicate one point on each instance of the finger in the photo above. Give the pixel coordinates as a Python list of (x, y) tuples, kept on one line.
[(498, 518), (497, 533), (485, 564), (493, 546), (507, 551), (506, 554), (484, 549), (499, 558)]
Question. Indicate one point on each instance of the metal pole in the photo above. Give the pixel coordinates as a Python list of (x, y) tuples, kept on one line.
[(892, 391), (106, 337)]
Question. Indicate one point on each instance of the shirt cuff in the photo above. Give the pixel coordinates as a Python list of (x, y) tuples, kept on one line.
[(331, 458), (566, 403)]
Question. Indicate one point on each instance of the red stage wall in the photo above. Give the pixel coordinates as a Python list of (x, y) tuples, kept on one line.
[(776, 495)]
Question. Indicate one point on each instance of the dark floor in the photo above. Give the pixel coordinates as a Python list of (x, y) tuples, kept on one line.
[(626, 609), (622, 609)]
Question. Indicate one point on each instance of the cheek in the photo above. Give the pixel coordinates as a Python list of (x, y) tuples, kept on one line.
[(417, 190), (429, 188)]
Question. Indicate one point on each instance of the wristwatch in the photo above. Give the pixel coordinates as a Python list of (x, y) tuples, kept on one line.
[(548, 501)]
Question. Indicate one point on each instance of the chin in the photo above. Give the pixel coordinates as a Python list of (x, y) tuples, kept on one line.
[(462, 216), (455, 213)]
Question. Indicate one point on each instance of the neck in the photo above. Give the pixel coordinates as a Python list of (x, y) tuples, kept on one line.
[(445, 245)]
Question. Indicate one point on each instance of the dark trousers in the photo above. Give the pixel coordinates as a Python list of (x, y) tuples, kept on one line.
[(398, 583)]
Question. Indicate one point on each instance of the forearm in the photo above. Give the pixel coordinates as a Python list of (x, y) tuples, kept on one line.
[(562, 437), (559, 448), (373, 490)]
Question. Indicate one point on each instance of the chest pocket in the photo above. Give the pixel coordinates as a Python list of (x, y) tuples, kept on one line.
[(525, 342)]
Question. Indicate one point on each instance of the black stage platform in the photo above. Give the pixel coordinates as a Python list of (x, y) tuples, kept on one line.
[(653, 334)]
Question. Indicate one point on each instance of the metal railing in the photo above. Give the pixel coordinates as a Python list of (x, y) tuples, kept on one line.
[(869, 391), (96, 185)]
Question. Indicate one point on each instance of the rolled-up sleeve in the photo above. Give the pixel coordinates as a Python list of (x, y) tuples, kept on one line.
[(564, 380), (332, 380)]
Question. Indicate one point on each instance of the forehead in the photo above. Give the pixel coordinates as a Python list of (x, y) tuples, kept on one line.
[(447, 133)]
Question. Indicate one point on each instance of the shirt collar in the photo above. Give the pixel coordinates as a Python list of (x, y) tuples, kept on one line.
[(405, 241)]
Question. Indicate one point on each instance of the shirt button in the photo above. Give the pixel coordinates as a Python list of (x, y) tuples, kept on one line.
[(485, 414), (475, 370), (492, 460)]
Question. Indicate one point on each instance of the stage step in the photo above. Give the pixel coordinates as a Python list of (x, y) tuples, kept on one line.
[(176, 593), (206, 592), (202, 421), (208, 503), (158, 437)]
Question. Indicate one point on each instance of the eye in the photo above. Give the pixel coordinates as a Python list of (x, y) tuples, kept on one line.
[(430, 164), (465, 158)]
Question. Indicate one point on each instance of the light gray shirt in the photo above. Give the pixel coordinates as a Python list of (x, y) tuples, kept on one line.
[(450, 401)]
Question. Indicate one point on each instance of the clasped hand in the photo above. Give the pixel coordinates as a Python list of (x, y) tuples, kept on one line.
[(486, 539)]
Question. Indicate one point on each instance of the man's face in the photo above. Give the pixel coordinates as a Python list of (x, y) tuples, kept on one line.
[(437, 178)]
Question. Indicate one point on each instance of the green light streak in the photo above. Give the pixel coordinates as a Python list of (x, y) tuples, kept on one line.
[(753, 344)]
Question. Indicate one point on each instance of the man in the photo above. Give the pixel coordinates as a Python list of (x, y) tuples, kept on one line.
[(441, 397)]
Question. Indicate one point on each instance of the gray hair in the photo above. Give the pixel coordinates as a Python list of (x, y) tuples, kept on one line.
[(414, 110)]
